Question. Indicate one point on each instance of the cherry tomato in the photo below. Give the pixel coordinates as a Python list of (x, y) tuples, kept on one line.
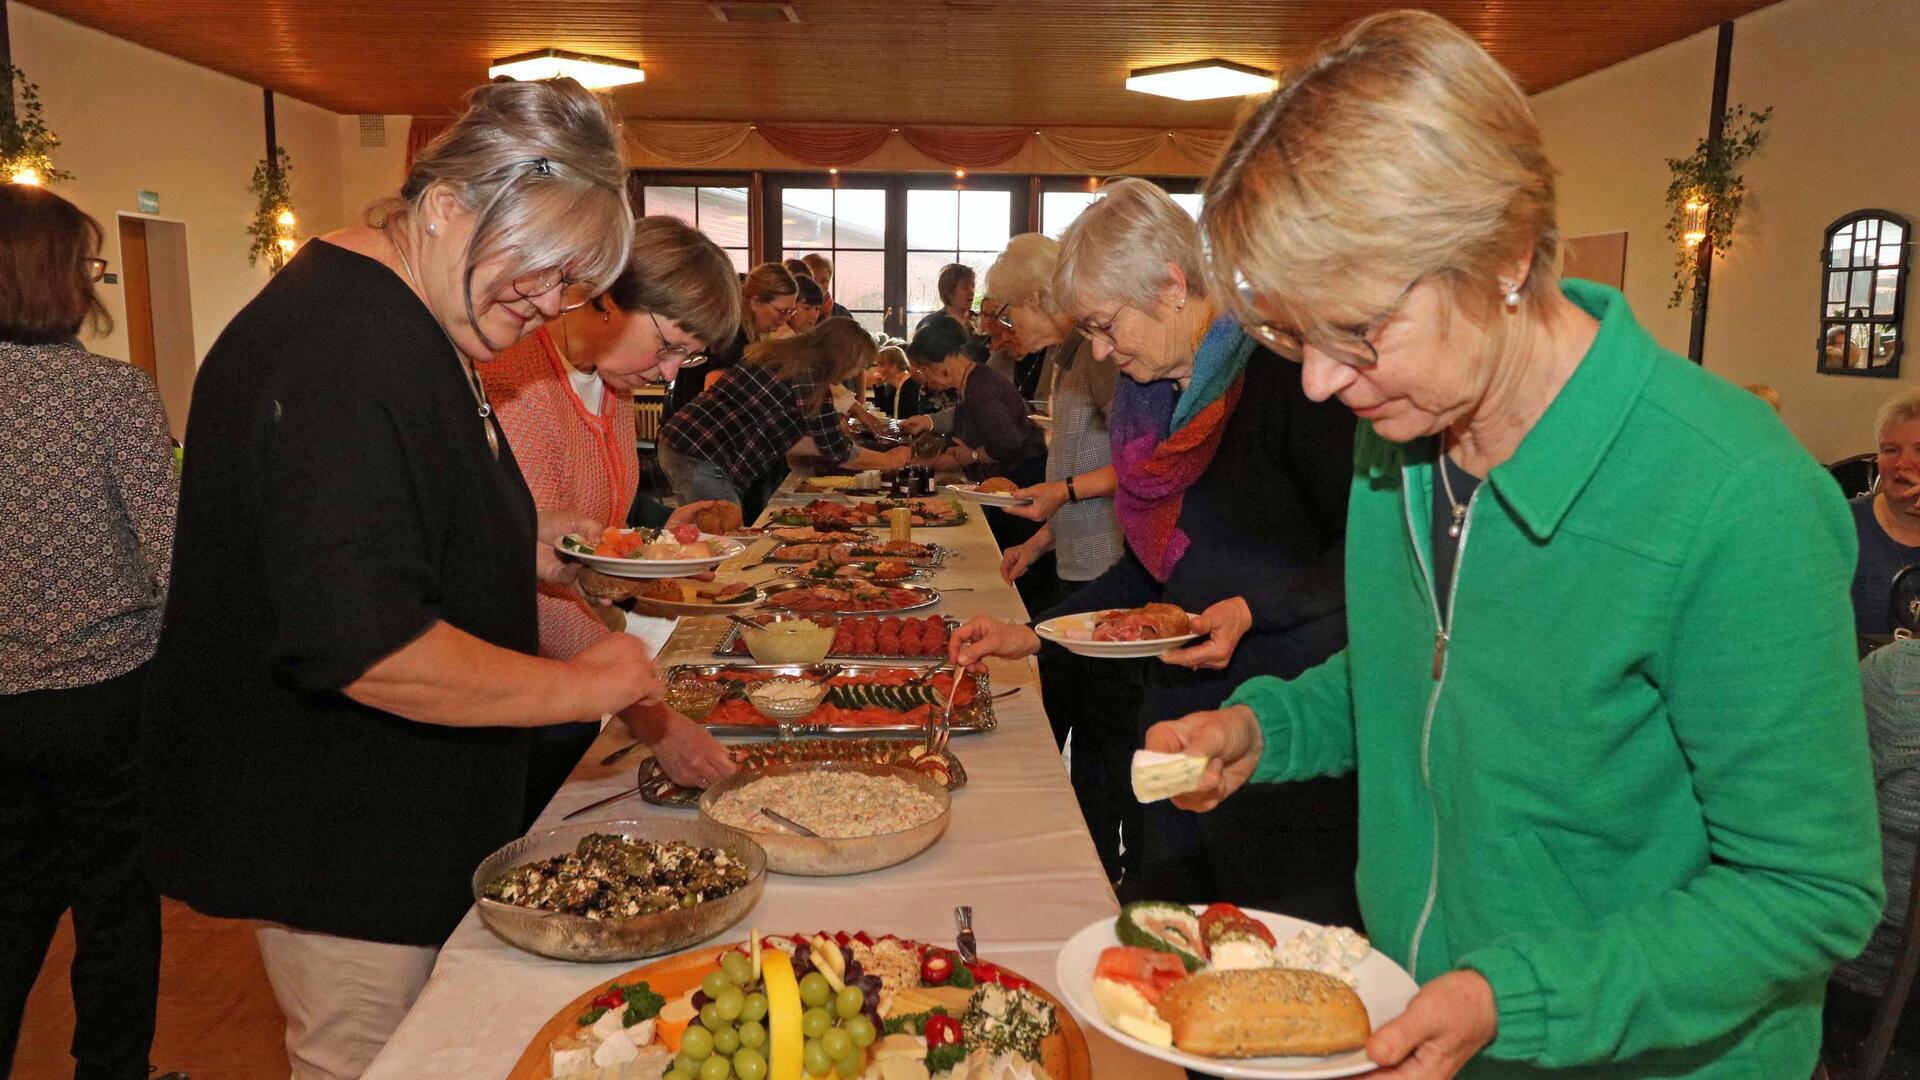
[(984, 973)]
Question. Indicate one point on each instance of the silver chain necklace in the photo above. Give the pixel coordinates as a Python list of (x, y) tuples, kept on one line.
[(1459, 512), (473, 377)]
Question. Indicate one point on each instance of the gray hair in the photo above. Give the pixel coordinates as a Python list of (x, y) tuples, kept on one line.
[(1900, 409), (1024, 271), (541, 167), (1120, 245)]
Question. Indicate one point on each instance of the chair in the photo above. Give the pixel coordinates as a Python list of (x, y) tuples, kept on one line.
[(1903, 599), (1856, 475), (1906, 963)]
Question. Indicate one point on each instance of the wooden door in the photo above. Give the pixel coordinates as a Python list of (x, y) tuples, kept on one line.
[(139, 294)]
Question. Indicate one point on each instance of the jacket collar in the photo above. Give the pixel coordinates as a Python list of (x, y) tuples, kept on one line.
[(1553, 464)]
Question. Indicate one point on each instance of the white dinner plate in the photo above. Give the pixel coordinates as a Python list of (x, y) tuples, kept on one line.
[(971, 493), (580, 549), (1045, 421), (1057, 629), (1384, 989)]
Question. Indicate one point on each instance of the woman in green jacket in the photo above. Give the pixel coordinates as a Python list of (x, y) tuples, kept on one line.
[(1616, 813)]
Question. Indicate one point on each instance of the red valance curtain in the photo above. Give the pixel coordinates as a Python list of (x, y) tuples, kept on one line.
[(826, 147), (967, 149), (422, 131)]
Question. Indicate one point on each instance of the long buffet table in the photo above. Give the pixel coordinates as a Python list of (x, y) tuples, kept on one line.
[(1017, 851)]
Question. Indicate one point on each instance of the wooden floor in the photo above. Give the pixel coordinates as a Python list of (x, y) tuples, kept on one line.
[(218, 1020)]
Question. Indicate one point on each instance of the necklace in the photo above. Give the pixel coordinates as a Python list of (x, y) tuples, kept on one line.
[(1459, 512), (473, 377)]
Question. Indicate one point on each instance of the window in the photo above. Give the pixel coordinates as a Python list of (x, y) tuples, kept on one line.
[(1863, 294), (1058, 208), (949, 226), (720, 212), (849, 226)]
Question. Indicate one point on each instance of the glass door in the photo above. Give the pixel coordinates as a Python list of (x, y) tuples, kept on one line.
[(849, 226)]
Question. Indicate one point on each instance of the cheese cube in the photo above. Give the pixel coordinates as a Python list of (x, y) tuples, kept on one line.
[(616, 1050), (1159, 776)]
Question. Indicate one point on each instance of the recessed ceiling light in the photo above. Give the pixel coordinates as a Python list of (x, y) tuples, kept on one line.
[(1201, 80), (592, 72)]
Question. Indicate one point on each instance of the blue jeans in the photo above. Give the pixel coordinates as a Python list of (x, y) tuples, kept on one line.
[(696, 478)]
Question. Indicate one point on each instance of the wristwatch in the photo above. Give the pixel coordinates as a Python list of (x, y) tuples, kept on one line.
[(1072, 495)]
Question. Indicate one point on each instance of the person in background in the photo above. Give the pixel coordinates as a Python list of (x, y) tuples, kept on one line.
[(769, 296), (1022, 362), (822, 268), (1887, 521), (955, 289), (334, 727), (797, 267), (1096, 701), (564, 394), (810, 301), (86, 538), (895, 392), (1629, 843), (1231, 489), (779, 394), (992, 433), (1765, 393)]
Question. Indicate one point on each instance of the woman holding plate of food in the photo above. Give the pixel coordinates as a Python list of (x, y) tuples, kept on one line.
[(564, 394), (1202, 418), (1616, 801)]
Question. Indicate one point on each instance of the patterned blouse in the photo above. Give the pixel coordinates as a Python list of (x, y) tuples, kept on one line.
[(746, 422), (87, 498), (1086, 534), (573, 459)]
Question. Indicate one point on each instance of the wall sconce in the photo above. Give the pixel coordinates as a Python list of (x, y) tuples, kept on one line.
[(1695, 229)]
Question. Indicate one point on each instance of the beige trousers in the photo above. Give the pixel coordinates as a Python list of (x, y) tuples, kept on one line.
[(342, 997)]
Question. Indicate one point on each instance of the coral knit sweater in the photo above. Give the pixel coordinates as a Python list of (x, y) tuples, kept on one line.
[(573, 459)]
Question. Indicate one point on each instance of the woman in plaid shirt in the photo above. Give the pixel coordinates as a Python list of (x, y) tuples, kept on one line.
[(781, 393)]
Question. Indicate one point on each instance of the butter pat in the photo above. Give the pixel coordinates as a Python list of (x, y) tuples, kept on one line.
[(1159, 776)]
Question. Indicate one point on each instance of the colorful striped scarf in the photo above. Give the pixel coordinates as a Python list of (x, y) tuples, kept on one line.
[(1164, 439)]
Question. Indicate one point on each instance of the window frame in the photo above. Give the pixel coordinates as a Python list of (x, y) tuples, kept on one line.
[(1896, 319), (1172, 185), (639, 180)]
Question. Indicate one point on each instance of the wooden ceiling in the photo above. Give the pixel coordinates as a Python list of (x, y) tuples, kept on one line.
[(1051, 62)]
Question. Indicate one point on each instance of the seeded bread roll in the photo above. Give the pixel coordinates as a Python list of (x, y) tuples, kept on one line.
[(1264, 1012)]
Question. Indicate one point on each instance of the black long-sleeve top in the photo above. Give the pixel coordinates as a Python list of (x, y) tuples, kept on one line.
[(1267, 521)]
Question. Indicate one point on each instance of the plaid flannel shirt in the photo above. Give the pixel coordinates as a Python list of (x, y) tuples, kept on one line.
[(746, 422)]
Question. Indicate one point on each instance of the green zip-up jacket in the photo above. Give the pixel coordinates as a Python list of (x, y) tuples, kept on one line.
[(1628, 782)]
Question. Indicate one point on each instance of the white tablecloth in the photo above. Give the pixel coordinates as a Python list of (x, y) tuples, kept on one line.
[(1017, 851)]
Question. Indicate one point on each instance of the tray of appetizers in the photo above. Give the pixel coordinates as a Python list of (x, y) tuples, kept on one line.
[(866, 637), (938, 765), (864, 700)]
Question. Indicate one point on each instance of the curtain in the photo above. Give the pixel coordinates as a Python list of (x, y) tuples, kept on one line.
[(1097, 155), (825, 147), (688, 143), (1205, 149), (967, 149), (422, 131)]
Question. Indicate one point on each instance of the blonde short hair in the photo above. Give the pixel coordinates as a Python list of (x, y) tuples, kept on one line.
[(677, 273), (1765, 393), (541, 168), (1024, 271), (1120, 245), (1398, 150), (1902, 408)]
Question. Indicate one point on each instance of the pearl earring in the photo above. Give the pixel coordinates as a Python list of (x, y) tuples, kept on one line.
[(432, 229), (1513, 296)]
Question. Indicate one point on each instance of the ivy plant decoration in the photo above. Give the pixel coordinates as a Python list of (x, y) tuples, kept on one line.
[(26, 142), (1709, 184), (272, 225)]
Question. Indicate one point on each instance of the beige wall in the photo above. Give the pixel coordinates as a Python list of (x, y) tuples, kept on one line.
[(1846, 96), (370, 173), (130, 118)]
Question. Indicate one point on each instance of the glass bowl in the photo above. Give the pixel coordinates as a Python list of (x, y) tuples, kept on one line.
[(786, 710), (693, 698), (807, 856), (575, 937), (789, 641)]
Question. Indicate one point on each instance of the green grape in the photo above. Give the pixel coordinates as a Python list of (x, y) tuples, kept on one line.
[(716, 1068), (726, 1041), (815, 1022), (755, 1008), (749, 1064), (715, 982), (710, 1017), (738, 968), (684, 1063), (677, 1073), (814, 989), (815, 1060), (860, 1030), (753, 1036), (696, 1043), (837, 1044), (731, 1004), (849, 1066), (849, 1002)]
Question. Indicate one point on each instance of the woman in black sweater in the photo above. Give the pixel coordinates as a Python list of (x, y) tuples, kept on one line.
[(1232, 490)]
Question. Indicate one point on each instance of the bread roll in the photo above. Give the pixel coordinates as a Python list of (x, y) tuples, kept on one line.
[(718, 519), (1267, 1012)]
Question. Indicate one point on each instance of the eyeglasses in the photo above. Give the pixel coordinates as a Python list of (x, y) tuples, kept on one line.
[(573, 294), (672, 353), (1350, 345), (1102, 331), (96, 268), (1000, 317)]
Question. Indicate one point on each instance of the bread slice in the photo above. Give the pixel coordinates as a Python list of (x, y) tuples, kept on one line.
[(1262, 1013)]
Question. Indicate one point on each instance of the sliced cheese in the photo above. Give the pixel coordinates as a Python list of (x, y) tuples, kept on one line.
[(899, 1044), (1153, 1032), (753, 952), (903, 1069), (571, 1061), (611, 1023), (615, 1050), (1159, 776), (674, 1018)]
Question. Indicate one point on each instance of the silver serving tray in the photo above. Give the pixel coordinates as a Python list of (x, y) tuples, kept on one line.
[(770, 593), (915, 572), (937, 559), (725, 648), (968, 719)]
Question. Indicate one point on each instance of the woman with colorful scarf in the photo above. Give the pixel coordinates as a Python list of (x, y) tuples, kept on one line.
[(1231, 487)]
